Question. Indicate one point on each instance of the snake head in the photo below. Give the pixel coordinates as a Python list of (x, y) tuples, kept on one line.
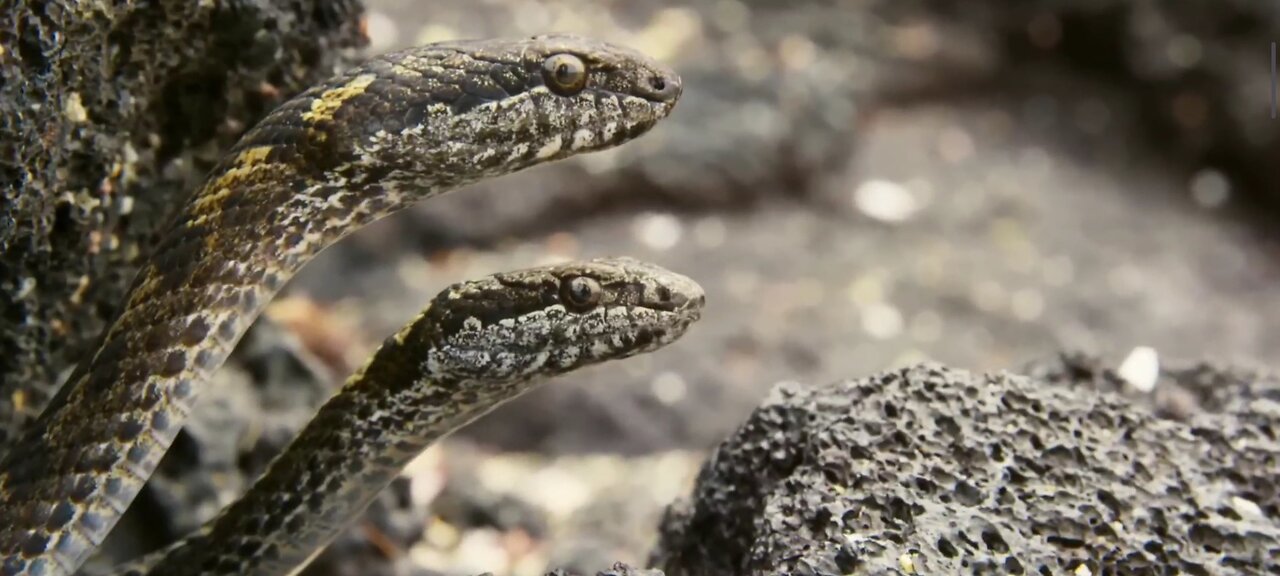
[(449, 113), (553, 319)]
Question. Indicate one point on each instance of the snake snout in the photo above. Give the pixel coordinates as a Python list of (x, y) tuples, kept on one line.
[(662, 86), (681, 294)]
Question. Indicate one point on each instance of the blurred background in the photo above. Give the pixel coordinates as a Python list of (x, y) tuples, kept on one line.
[(858, 184)]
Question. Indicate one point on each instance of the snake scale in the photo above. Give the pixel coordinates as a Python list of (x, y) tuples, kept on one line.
[(382, 136)]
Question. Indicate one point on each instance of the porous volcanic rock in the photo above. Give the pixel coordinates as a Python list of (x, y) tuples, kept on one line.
[(110, 113), (933, 470)]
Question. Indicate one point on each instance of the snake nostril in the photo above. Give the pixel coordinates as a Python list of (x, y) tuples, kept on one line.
[(661, 87)]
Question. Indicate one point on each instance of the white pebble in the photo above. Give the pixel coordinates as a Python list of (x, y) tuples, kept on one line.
[(1247, 508), (1141, 369), (882, 321), (481, 551), (74, 108), (658, 231), (669, 388), (885, 201)]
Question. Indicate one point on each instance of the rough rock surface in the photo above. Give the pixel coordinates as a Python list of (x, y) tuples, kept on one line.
[(934, 470), (109, 113)]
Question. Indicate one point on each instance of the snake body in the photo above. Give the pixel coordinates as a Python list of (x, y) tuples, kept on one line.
[(477, 344), (398, 129)]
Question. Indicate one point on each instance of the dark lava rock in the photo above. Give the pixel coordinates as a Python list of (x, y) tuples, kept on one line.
[(110, 112), (934, 470)]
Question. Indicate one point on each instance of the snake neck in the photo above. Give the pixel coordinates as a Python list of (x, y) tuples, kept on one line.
[(477, 345), (358, 442), (225, 257)]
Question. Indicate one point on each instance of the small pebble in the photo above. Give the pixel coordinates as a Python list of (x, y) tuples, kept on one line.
[(885, 201), (907, 562), (1247, 508), (660, 232), (480, 551), (1141, 369), (882, 321), (669, 388), (74, 109), (558, 491), (440, 534), (1210, 188)]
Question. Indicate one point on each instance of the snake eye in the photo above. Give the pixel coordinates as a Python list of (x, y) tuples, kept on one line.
[(580, 293), (564, 74)]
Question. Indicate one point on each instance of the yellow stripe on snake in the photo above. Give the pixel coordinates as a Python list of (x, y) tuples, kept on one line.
[(398, 129)]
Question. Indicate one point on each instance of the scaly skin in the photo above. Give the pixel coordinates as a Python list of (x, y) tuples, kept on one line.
[(367, 143), (478, 344)]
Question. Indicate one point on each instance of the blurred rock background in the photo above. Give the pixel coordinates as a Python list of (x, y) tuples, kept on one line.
[(858, 184)]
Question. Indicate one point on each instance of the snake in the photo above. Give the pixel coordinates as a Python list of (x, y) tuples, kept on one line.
[(368, 142), (477, 345)]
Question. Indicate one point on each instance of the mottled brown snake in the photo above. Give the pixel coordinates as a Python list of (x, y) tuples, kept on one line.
[(380, 137)]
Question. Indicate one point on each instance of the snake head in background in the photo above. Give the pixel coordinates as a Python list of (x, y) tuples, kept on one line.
[(468, 109)]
